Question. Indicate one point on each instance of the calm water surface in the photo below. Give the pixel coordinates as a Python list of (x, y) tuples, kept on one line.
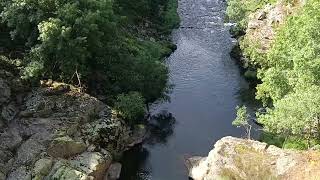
[(207, 89)]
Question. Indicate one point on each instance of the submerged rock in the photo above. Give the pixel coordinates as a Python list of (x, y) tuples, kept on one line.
[(234, 158)]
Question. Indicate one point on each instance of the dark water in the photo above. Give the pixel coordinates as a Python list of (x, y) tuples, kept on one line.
[(208, 87)]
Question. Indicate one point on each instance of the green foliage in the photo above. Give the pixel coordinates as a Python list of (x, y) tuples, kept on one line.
[(293, 61), (289, 72), (238, 11), (272, 139), (131, 106), (291, 77), (88, 40), (171, 17), (296, 114), (289, 142), (242, 119), (161, 14)]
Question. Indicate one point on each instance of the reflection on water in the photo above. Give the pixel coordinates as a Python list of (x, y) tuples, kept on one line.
[(134, 161), (134, 164), (161, 128)]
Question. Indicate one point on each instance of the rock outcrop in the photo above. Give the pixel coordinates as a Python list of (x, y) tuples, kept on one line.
[(56, 132), (263, 23), (234, 158)]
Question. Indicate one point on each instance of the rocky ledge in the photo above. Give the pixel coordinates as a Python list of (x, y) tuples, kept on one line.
[(57, 132), (234, 158)]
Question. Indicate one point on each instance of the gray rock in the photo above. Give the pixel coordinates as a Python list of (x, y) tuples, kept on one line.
[(5, 92), (64, 147), (9, 112), (20, 173), (1, 123), (2, 176), (41, 168), (5, 156), (114, 172), (28, 151), (10, 139), (91, 163), (62, 171), (262, 15)]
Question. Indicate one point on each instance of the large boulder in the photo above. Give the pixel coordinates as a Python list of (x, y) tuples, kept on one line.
[(2, 176), (10, 139), (28, 152), (9, 112), (114, 172), (62, 171), (92, 163), (41, 168), (65, 147), (234, 158)]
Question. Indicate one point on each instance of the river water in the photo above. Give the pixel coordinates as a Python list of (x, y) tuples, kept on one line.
[(207, 88)]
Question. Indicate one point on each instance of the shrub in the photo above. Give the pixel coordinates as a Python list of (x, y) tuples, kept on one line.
[(131, 106)]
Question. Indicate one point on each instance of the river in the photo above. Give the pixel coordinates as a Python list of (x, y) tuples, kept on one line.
[(207, 88)]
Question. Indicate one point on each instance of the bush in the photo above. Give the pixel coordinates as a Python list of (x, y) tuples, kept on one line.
[(238, 11), (131, 106)]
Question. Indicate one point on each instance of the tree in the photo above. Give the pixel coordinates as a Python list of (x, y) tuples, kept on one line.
[(88, 38), (242, 120), (297, 114)]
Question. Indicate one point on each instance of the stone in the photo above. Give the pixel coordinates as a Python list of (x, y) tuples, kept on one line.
[(2, 176), (5, 156), (235, 158), (62, 171), (92, 163), (65, 147), (114, 172), (42, 168), (138, 135), (262, 15), (1, 123), (10, 139), (20, 173), (27, 153), (9, 112), (5, 92)]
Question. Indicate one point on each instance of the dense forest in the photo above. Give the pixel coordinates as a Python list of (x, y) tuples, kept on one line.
[(287, 72), (113, 49)]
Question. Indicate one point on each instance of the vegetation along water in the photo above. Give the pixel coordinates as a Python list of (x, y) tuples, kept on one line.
[(131, 89)]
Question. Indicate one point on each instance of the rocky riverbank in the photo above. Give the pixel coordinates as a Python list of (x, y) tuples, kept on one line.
[(57, 132), (234, 158)]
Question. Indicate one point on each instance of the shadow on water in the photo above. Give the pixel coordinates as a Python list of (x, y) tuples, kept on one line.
[(135, 161), (161, 127)]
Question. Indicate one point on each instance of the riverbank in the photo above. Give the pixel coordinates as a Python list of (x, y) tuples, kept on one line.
[(271, 52)]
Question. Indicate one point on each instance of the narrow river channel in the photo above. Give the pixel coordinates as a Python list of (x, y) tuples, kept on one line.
[(207, 88)]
